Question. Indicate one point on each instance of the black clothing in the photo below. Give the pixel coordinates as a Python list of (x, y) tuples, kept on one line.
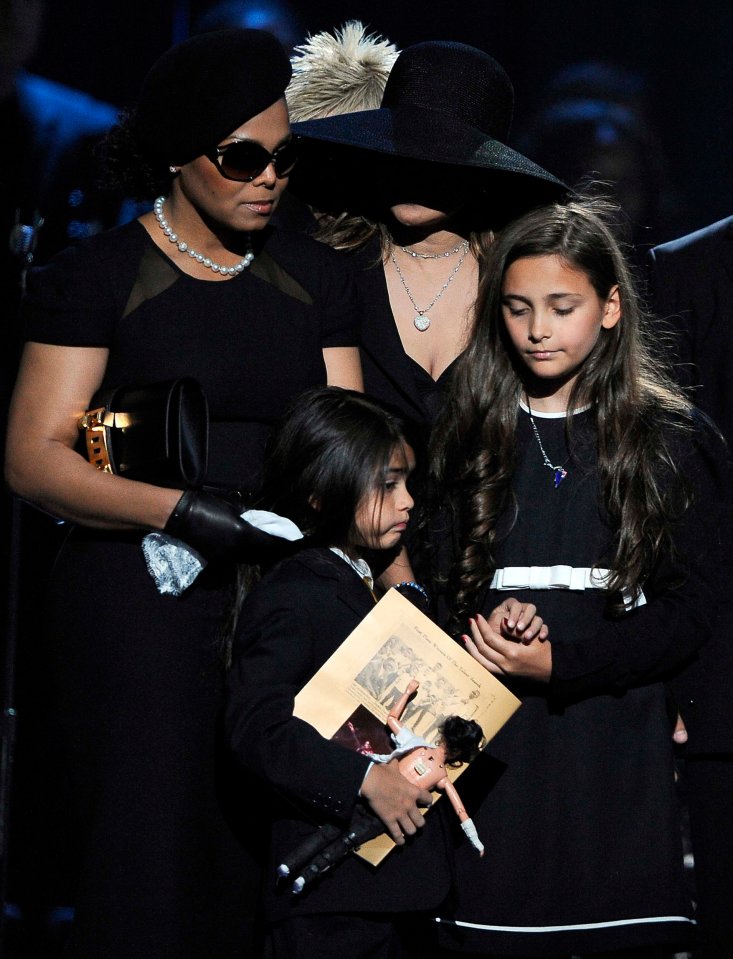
[(253, 342), (378, 936), (693, 293), (584, 849), (290, 624), (390, 374), (139, 677), (692, 280)]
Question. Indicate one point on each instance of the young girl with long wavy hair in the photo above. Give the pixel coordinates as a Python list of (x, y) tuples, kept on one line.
[(573, 475)]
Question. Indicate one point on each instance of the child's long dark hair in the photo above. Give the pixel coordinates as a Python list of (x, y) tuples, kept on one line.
[(330, 450), (634, 402)]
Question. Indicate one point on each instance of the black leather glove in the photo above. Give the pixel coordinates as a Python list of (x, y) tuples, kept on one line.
[(214, 528)]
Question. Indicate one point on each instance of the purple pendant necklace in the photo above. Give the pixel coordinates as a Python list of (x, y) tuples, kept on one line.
[(559, 471)]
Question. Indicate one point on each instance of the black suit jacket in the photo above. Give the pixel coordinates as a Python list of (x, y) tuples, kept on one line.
[(289, 625), (692, 283), (693, 292)]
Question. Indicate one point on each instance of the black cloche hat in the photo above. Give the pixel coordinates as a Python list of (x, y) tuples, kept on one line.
[(201, 89)]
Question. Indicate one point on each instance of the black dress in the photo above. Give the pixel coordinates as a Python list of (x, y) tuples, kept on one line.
[(575, 795), (390, 374), (138, 675)]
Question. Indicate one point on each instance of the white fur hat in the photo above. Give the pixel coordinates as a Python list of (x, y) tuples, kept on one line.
[(340, 72)]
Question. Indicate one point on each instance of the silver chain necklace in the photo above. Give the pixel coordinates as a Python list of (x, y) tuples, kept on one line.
[(422, 320), (434, 256), (199, 257), (559, 471)]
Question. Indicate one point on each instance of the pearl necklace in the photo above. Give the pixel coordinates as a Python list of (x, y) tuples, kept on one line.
[(434, 256), (421, 321), (199, 257)]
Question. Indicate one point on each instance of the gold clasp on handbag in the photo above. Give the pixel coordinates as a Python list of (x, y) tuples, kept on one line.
[(156, 432), (95, 436), (95, 424)]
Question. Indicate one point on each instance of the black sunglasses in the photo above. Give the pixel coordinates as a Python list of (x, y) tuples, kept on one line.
[(243, 160)]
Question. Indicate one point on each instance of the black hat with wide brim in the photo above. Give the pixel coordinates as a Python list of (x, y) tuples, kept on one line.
[(445, 103)]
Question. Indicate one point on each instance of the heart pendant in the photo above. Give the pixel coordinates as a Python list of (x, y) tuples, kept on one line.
[(421, 322)]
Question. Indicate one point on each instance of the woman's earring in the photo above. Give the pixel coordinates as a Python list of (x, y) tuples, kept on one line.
[(173, 169)]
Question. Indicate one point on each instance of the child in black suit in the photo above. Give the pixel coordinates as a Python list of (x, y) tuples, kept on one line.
[(339, 468)]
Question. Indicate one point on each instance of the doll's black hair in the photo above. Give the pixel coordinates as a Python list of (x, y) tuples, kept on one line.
[(462, 738)]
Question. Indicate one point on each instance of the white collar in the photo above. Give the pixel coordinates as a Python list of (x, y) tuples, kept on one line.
[(552, 416), (360, 566)]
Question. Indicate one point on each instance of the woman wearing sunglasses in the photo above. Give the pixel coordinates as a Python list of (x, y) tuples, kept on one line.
[(200, 286)]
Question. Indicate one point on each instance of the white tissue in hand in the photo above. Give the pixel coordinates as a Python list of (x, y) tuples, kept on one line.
[(174, 565), (171, 562)]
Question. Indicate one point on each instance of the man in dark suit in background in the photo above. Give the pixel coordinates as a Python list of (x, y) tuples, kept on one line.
[(692, 281)]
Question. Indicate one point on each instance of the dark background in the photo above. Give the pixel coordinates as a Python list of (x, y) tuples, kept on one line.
[(682, 51)]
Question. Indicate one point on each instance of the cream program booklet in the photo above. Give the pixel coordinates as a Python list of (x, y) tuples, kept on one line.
[(350, 696)]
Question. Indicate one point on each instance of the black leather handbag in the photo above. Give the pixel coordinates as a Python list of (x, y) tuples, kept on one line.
[(157, 433)]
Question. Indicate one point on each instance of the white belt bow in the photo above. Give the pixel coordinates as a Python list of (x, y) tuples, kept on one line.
[(550, 577), (555, 577)]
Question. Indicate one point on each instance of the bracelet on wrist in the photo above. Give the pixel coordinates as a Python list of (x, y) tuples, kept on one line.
[(417, 586)]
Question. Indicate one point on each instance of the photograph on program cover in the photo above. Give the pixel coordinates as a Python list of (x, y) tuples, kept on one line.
[(350, 696)]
